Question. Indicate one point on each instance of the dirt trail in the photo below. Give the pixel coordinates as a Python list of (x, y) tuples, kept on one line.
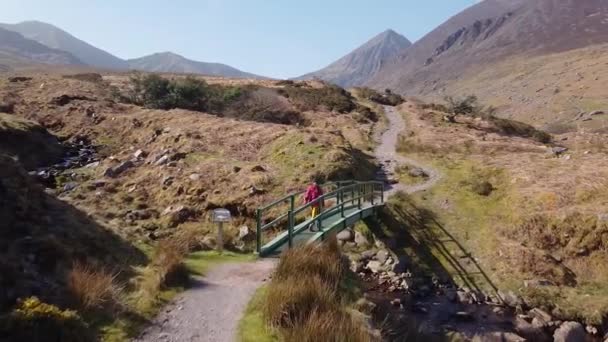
[(386, 153), (210, 310)]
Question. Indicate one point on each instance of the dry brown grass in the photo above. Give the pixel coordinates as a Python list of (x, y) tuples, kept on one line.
[(94, 288), (304, 301)]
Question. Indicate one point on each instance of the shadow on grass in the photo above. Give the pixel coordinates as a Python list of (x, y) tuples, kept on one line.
[(426, 247)]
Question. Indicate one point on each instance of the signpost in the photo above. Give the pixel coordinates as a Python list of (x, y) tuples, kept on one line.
[(220, 216)]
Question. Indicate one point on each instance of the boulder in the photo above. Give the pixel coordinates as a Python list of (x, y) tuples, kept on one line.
[(178, 215), (120, 168), (540, 317), (361, 240), (345, 235), (530, 331), (569, 332)]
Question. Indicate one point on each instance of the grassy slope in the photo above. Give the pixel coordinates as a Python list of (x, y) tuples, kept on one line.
[(464, 233)]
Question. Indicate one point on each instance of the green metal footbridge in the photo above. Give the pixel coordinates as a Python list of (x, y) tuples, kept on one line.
[(284, 223)]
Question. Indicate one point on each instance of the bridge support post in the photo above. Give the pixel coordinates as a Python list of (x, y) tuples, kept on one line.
[(258, 234), (290, 228)]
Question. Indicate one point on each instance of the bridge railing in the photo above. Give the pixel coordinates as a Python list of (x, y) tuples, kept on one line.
[(340, 196)]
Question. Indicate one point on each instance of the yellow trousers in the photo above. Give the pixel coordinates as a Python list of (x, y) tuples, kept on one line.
[(315, 212)]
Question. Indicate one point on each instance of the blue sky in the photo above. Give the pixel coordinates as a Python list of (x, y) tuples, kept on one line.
[(268, 37)]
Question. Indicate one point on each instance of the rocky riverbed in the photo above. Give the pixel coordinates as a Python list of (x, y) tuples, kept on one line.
[(413, 306)]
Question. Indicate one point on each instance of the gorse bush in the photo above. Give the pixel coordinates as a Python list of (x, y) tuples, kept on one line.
[(35, 321), (156, 92), (463, 106), (388, 98), (330, 97)]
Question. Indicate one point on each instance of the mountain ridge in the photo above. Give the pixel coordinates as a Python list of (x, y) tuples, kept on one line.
[(363, 62), (168, 61)]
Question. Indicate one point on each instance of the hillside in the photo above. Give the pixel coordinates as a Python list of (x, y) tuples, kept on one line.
[(16, 50), (169, 62), (57, 38), (361, 64), (490, 32)]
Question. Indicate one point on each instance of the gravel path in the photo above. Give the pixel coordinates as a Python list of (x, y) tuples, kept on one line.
[(386, 153), (210, 310)]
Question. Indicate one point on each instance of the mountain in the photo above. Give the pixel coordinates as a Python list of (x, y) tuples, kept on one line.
[(171, 62), (16, 50), (489, 32), (361, 64), (56, 38)]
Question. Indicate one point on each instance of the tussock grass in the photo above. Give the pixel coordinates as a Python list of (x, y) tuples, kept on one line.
[(94, 288), (305, 300)]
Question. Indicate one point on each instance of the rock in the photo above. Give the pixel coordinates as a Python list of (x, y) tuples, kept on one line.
[(258, 168), (345, 235), (178, 215), (374, 266), (167, 180), (382, 256), (162, 160), (557, 150), (591, 330), (417, 172), (597, 112), (92, 165), (361, 240), (253, 191), (529, 331), (194, 177), (245, 234), (120, 168), (236, 169), (396, 302), (367, 255), (356, 266), (464, 297), (143, 214), (602, 217), (542, 317), (569, 332), (140, 154), (510, 298), (70, 186)]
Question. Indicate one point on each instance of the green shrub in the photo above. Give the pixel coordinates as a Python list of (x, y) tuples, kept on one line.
[(463, 106), (512, 127), (154, 91), (388, 98), (482, 188), (34, 321), (330, 97), (364, 114)]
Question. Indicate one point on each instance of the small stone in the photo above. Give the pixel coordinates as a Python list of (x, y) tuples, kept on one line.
[(236, 169), (367, 255), (167, 181), (396, 302), (543, 318), (162, 160), (245, 234), (374, 266), (70, 186), (139, 154), (258, 168), (382, 256), (194, 177), (591, 330), (92, 165), (557, 150)]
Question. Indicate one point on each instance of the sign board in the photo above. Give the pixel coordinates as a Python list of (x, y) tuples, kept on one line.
[(221, 215)]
